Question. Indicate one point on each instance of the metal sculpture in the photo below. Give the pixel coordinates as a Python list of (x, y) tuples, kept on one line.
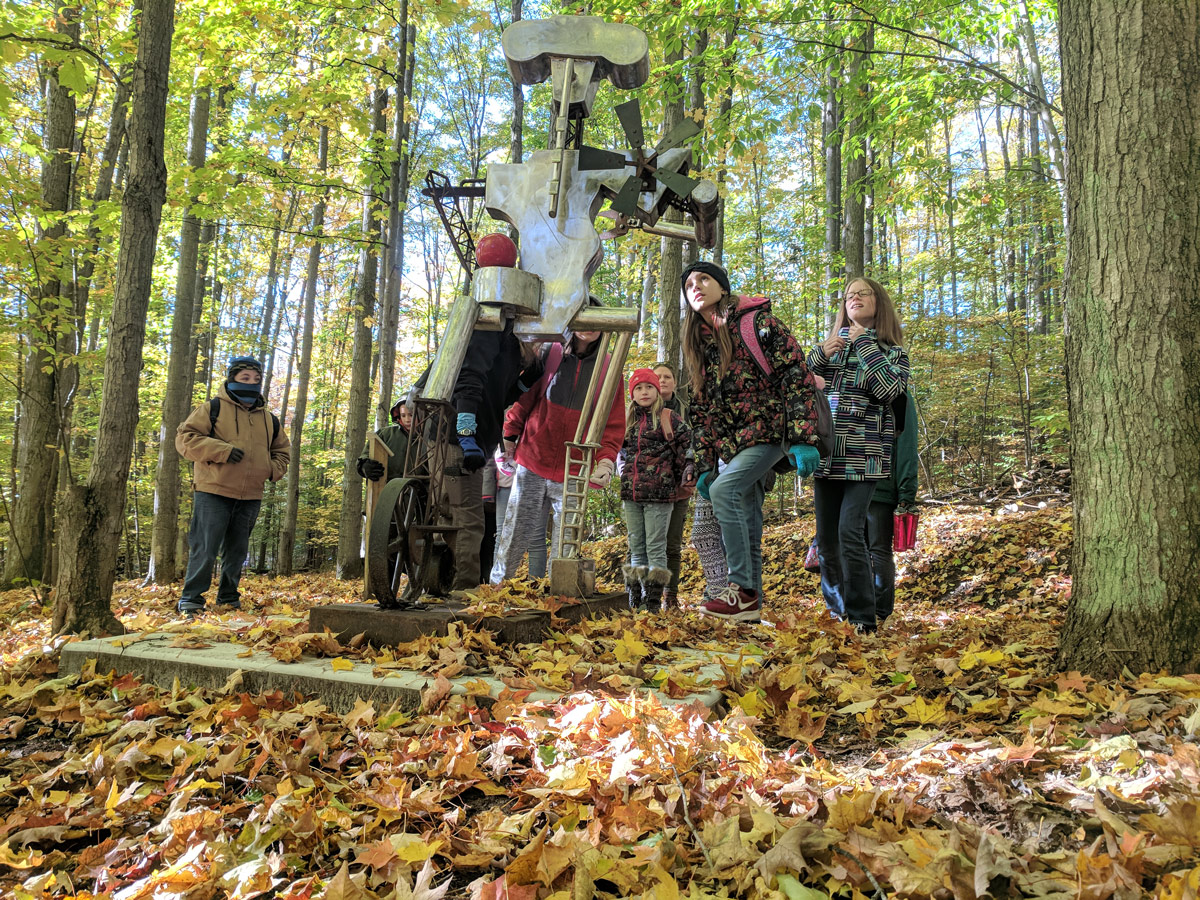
[(552, 199)]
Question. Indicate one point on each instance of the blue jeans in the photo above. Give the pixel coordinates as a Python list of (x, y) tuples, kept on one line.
[(647, 524), (737, 499), (220, 525), (881, 529), (846, 580)]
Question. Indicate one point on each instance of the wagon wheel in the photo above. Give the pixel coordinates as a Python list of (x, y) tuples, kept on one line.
[(404, 543)]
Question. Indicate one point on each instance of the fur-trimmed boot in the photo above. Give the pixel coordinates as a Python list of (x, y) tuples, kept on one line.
[(654, 582), (633, 585), (670, 600)]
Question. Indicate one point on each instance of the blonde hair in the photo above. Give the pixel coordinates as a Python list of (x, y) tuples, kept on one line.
[(693, 340), (654, 411), (887, 322)]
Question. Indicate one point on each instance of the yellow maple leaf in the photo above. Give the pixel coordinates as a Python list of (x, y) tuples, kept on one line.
[(340, 664), (630, 649), (976, 656), (413, 848), (753, 703), (926, 713)]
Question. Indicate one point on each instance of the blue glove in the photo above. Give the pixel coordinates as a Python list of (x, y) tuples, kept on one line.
[(806, 458), (473, 458), (704, 484)]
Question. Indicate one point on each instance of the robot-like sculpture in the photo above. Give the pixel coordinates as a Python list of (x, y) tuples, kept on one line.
[(553, 200)]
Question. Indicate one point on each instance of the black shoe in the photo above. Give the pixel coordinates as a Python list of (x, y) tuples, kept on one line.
[(224, 606)]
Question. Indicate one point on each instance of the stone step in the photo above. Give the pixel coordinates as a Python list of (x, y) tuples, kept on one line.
[(392, 627), (160, 658)]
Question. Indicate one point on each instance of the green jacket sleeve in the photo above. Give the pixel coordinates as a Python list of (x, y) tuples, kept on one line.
[(905, 463)]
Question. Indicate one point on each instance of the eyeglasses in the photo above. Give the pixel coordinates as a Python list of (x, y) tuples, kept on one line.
[(863, 293)]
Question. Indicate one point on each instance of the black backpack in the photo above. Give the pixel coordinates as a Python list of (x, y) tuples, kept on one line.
[(214, 413)]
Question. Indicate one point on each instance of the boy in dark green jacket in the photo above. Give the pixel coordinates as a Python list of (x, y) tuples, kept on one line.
[(395, 436), (896, 493)]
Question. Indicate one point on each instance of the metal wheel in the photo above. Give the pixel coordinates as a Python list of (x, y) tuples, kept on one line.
[(403, 543)]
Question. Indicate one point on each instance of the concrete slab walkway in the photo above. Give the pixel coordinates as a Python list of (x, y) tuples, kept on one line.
[(152, 658)]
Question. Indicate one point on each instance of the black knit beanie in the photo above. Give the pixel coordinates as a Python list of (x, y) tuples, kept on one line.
[(708, 268)]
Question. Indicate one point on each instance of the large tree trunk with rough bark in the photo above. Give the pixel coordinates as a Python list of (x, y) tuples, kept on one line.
[(29, 555), (349, 558), (1131, 89), (178, 396), (93, 513)]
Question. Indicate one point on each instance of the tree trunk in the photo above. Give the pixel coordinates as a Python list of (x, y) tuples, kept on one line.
[(178, 396), (1133, 283), (649, 292), (729, 60), (950, 232), (696, 105), (349, 557), (285, 558), (93, 513), (670, 266), (37, 457), (1038, 85), (853, 226), (831, 137), (394, 252)]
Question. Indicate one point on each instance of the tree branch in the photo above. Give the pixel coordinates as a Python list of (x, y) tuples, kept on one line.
[(64, 43)]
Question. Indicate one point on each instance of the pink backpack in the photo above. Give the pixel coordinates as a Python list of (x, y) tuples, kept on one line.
[(824, 414)]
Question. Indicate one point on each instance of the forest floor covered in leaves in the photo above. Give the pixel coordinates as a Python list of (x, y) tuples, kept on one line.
[(943, 757)]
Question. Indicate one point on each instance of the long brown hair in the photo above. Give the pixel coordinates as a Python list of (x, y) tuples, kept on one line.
[(693, 340), (887, 323)]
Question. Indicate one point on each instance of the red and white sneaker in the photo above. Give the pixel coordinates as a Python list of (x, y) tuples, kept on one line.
[(734, 603)]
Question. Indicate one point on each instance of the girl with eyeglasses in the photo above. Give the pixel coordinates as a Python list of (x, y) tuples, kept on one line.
[(865, 366)]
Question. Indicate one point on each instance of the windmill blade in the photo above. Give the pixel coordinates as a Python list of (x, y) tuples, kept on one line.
[(680, 185), (681, 133), (593, 158), (626, 200), (630, 115)]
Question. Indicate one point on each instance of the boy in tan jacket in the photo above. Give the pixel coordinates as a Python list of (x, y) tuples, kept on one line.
[(236, 445)]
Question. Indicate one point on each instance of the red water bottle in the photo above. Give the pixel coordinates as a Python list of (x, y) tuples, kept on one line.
[(904, 531)]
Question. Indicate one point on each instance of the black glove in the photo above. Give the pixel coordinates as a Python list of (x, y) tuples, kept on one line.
[(473, 458), (236, 455), (370, 469)]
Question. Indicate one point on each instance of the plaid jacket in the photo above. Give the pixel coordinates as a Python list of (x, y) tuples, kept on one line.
[(861, 382)]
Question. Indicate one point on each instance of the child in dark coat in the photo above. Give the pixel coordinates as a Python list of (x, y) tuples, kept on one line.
[(655, 454)]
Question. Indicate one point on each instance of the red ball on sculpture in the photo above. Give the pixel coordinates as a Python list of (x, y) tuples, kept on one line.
[(495, 250)]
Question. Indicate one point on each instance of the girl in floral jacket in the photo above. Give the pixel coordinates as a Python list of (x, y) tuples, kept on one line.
[(655, 460), (744, 412), (867, 368)]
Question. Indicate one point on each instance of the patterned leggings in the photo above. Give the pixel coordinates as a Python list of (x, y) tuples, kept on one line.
[(706, 538), (532, 500)]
